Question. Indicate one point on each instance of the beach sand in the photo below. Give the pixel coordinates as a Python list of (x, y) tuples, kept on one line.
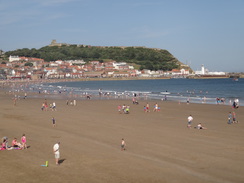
[(159, 146)]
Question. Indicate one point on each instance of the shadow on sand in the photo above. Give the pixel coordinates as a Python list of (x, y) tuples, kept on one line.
[(61, 161)]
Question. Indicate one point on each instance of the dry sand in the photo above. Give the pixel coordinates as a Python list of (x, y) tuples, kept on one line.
[(159, 146)]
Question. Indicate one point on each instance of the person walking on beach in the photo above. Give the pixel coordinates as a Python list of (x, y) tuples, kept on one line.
[(123, 145), (190, 119), (56, 152), (54, 106), (229, 118), (54, 122)]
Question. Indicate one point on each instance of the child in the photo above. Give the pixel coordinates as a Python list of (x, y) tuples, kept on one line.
[(119, 109), (54, 122), (229, 118), (234, 117), (123, 145), (23, 140)]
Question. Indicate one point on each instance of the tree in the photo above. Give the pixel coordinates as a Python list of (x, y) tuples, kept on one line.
[(29, 64)]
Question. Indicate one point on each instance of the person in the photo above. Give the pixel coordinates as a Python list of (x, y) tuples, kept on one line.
[(56, 152), (200, 127), (23, 140), (147, 108), (190, 119), (119, 109), (15, 101), (43, 106), (188, 100), (123, 144), (127, 110), (54, 122), (4, 144), (155, 107), (234, 117), (236, 104), (54, 106), (5, 141), (229, 118), (133, 100), (16, 144)]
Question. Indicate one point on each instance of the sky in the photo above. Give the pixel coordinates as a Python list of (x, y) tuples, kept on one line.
[(196, 32)]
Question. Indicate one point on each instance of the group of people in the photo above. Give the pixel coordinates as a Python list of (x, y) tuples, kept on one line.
[(189, 123), (146, 108), (156, 108), (124, 109), (52, 106), (71, 102), (56, 150), (15, 144), (220, 100), (232, 118)]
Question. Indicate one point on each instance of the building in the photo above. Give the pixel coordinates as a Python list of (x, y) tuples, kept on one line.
[(205, 72)]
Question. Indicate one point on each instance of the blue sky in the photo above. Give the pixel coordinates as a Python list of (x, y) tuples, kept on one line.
[(209, 32)]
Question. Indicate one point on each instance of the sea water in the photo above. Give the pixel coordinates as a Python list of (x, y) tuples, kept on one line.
[(194, 90)]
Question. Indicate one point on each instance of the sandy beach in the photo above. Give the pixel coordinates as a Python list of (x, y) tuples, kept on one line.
[(159, 146)]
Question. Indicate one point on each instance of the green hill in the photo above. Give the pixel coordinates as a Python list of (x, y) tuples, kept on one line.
[(140, 57)]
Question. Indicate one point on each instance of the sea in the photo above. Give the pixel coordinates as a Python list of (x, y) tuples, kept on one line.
[(180, 90)]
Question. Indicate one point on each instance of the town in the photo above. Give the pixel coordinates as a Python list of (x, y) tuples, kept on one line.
[(17, 67)]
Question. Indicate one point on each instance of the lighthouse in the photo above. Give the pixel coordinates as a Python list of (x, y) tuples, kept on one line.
[(203, 70)]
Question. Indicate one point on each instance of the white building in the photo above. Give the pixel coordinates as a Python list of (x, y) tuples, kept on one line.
[(204, 71), (13, 58)]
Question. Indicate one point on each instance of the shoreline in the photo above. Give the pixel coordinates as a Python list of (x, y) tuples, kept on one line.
[(20, 87)]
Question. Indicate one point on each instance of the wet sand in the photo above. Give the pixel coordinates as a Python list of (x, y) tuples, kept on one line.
[(159, 146)]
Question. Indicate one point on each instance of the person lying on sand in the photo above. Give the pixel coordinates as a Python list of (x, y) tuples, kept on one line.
[(200, 127)]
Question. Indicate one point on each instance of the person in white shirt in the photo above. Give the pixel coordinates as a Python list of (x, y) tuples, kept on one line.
[(190, 119), (56, 152)]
